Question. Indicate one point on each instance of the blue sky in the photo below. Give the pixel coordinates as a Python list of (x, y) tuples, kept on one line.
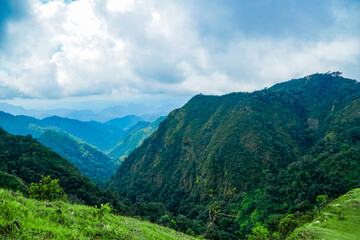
[(138, 50)]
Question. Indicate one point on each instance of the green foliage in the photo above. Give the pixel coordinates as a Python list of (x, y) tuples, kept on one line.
[(102, 210), (321, 200), (9, 181), (275, 236), (258, 233), (287, 225), (47, 189)]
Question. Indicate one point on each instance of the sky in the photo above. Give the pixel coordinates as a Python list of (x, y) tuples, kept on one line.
[(161, 51)]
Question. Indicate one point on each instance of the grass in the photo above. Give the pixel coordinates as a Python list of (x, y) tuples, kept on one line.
[(23, 218), (338, 220)]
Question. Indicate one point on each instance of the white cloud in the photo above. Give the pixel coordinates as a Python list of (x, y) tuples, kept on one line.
[(96, 47)]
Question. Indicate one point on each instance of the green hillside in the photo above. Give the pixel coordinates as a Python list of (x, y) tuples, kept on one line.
[(278, 149), (23, 218), (338, 220), (134, 137), (56, 133), (89, 160), (24, 160)]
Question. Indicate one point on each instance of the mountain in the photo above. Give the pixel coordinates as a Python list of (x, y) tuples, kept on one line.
[(89, 160), (82, 115), (6, 107), (71, 139), (146, 113), (338, 220), (102, 136), (262, 154), (124, 122), (23, 160), (120, 110), (23, 218), (20, 125), (134, 137)]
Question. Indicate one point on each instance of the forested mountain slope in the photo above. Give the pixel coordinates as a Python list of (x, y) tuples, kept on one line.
[(278, 148), (89, 160), (134, 137)]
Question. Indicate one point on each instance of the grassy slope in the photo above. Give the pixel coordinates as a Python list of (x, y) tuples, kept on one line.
[(339, 220), (43, 220)]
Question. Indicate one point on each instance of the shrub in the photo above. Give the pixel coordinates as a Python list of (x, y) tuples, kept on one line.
[(47, 189), (102, 211), (258, 233)]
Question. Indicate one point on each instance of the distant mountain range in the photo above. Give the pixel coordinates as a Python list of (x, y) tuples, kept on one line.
[(101, 135), (146, 113), (94, 147)]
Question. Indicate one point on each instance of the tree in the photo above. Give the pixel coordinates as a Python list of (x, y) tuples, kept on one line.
[(47, 189), (215, 208), (321, 201), (258, 233), (287, 225)]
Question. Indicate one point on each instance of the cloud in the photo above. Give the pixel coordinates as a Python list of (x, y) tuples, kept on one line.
[(175, 48)]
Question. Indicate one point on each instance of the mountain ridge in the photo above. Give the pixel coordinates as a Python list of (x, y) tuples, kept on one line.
[(247, 141)]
